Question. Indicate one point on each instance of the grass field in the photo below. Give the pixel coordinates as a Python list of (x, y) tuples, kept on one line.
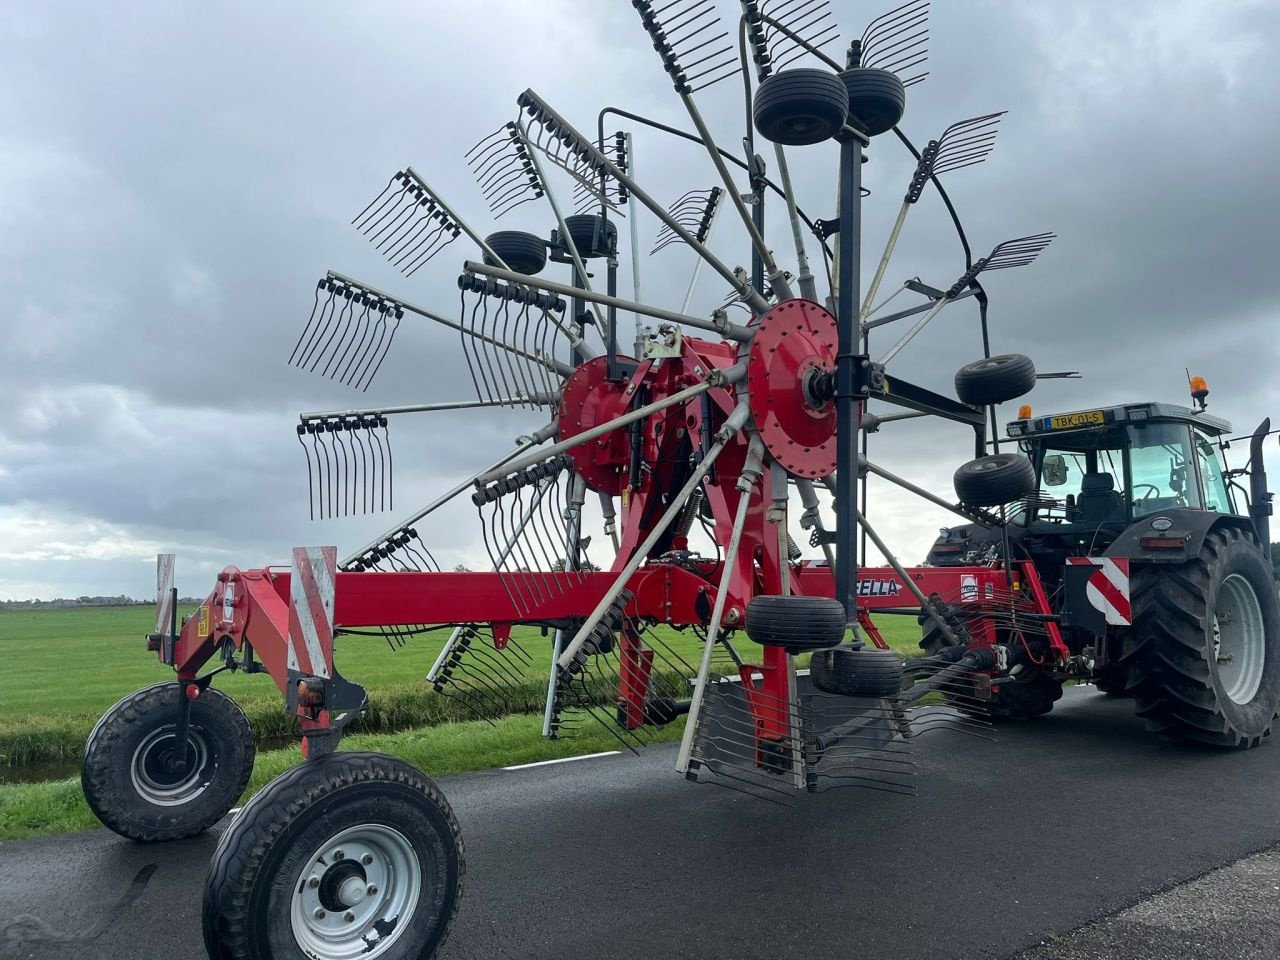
[(64, 667)]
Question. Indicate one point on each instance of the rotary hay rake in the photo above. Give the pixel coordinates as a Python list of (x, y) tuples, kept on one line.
[(711, 422)]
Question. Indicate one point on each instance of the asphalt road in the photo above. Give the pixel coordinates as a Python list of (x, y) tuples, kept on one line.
[(1010, 844)]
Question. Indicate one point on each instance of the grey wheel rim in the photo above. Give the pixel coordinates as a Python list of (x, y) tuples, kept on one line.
[(356, 894), (158, 784), (1239, 639)]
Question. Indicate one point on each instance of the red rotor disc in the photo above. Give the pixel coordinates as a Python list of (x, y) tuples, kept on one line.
[(590, 399), (792, 339)]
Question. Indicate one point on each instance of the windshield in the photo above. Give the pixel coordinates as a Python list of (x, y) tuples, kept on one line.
[(1091, 476)]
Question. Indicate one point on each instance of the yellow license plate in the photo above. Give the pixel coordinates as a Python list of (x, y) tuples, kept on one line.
[(202, 621), (1070, 421)]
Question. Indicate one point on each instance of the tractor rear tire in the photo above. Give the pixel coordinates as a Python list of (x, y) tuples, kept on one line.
[(1187, 620), (1010, 700), (994, 480), (797, 624), (350, 854), (995, 379), (855, 671), (126, 776)]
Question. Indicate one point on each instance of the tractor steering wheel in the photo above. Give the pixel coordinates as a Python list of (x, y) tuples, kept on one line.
[(1155, 491)]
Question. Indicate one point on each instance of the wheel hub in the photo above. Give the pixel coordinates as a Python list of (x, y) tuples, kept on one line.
[(356, 894), (160, 777), (1238, 639)]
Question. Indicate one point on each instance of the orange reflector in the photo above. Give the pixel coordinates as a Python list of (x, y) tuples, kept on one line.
[(1024, 412)]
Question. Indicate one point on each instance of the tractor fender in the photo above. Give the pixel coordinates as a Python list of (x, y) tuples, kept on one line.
[(1189, 526)]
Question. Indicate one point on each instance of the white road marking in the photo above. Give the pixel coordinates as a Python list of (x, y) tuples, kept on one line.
[(547, 763)]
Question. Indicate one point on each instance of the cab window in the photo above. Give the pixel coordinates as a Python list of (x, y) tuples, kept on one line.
[(1216, 497), (1161, 474)]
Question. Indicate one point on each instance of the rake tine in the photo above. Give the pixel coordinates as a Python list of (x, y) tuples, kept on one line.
[(310, 320), (324, 322)]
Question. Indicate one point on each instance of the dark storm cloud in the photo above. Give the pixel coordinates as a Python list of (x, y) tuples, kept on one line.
[(174, 180)]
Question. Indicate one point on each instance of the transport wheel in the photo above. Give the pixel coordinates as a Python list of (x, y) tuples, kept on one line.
[(1032, 695), (1204, 650), (801, 106), (995, 379), (995, 480), (130, 776), (522, 252), (856, 671), (348, 855), (797, 624), (592, 234), (877, 99)]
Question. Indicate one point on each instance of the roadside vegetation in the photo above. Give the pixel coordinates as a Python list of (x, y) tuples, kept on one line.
[(64, 667)]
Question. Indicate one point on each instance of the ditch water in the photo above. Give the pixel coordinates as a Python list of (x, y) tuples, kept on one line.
[(69, 769)]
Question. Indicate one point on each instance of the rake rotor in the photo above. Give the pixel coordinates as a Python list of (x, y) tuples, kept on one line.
[(351, 476), (696, 212), (407, 223), (696, 51), (348, 333), (504, 170)]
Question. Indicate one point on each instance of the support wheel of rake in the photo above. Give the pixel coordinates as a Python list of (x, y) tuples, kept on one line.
[(801, 106), (1203, 653), (877, 99), (522, 252), (350, 855), (995, 480), (592, 235), (995, 379), (1032, 695), (851, 670), (136, 784), (796, 624)]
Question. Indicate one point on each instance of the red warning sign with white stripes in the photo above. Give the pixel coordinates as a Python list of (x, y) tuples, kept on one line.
[(311, 610), (1107, 589)]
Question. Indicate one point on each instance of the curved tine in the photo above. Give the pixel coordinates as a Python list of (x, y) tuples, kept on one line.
[(510, 378), (918, 78), (783, 41), (893, 54), (485, 139), (705, 43), (978, 141), (381, 472), (963, 127), (359, 335), (323, 343), (909, 60), (390, 475), (319, 446), (521, 201), (531, 370), (381, 346), (691, 14), (470, 345), (688, 38), (334, 345), (360, 360), (501, 158), (500, 176), (817, 42), (493, 382), (413, 242), (511, 193), (311, 493), (482, 162), (737, 68), (437, 244), (382, 356), (322, 323), (393, 228), (363, 477), (388, 208), (310, 320), (390, 183), (891, 21)]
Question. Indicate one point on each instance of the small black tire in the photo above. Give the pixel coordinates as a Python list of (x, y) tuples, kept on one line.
[(995, 480), (592, 235), (877, 99), (269, 895), (522, 252), (995, 379), (856, 671), (1181, 685), (797, 624), (801, 106), (128, 784)]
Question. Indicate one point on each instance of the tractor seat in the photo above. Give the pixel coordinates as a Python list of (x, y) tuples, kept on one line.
[(1098, 501)]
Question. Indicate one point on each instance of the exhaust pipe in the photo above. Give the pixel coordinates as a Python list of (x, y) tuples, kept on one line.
[(1259, 495)]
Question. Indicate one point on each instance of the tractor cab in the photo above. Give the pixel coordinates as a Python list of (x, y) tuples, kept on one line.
[(1100, 470)]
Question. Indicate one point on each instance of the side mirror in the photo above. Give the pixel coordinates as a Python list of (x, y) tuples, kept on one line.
[(1055, 469)]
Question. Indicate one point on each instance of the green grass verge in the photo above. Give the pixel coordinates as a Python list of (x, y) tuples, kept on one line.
[(64, 667), (41, 809)]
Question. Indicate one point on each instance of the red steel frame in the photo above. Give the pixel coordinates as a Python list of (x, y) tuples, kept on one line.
[(259, 607)]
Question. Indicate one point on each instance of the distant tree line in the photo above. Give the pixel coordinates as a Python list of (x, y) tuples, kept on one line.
[(118, 601)]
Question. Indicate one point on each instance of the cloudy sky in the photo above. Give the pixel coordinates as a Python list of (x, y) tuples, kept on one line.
[(174, 178)]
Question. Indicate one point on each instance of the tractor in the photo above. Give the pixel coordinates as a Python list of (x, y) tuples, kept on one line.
[(1155, 559)]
